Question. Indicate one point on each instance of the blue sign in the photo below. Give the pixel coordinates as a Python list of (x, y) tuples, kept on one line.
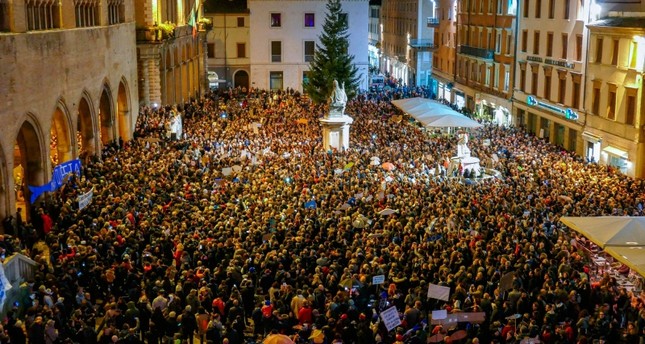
[(531, 101), (58, 178), (568, 113)]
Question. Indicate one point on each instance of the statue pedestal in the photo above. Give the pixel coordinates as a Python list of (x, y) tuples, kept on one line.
[(467, 163), (335, 131)]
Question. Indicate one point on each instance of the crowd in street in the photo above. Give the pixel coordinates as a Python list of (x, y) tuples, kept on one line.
[(243, 226)]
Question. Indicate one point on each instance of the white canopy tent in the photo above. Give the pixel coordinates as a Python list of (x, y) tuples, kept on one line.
[(622, 237), (433, 114)]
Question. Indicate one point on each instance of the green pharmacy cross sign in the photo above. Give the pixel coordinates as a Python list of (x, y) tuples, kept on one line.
[(567, 113)]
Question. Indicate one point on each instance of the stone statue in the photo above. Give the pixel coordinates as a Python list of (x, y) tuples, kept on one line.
[(462, 145), (338, 100)]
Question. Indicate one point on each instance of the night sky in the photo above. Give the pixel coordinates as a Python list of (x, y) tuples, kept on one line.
[(220, 6)]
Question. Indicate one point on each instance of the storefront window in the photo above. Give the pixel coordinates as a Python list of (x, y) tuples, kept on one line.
[(618, 162)]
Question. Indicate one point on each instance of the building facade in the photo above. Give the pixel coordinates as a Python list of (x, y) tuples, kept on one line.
[(68, 87), (549, 93), (228, 46), (443, 58), (374, 37), (407, 41), (614, 86), (170, 53), (485, 57), (284, 37)]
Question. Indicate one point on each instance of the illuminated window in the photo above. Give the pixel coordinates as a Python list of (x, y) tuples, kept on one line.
[(276, 19), (42, 14), (276, 80), (633, 54), (310, 19)]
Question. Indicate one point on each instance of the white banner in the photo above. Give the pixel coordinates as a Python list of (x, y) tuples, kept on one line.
[(391, 318), (85, 199), (438, 292)]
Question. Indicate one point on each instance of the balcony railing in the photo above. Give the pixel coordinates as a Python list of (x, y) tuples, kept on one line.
[(477, 52), (433, 22), (423, 44)]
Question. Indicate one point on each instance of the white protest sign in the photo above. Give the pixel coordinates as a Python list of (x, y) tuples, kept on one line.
[(85, 199), (439, 314), (438, 292), (380, 279), (391, 318)]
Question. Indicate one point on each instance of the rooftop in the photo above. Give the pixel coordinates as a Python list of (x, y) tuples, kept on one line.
[(627, 22)]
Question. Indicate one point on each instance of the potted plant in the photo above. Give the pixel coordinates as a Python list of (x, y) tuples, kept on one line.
[(204, 24), (167, 29)]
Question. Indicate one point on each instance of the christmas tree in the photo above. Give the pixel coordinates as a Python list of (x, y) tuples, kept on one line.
[(331, 59)]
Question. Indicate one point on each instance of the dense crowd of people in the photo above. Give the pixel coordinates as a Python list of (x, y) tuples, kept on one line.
[(244, 226)]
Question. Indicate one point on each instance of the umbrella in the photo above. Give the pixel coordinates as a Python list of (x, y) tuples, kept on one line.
[(350, 283), (348, 166), (388, 166), (278, 339)]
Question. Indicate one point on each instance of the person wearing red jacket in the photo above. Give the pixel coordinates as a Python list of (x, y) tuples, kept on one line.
[(305, 315)]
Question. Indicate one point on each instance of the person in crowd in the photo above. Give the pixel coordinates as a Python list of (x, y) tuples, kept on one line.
[(247, 220)]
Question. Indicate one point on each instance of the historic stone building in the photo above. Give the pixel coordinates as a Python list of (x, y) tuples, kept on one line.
[(170, 51), (68, 86)]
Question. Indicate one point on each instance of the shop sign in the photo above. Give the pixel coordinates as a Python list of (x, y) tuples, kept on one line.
[(559, 63), (567, 113)]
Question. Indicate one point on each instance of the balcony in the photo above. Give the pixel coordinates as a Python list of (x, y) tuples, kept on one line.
[(423, 44), (433, 22), (477, 52)]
